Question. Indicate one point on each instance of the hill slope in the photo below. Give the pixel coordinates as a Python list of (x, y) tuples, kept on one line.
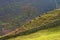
[(48, 34), (16, 12), (47, 25)]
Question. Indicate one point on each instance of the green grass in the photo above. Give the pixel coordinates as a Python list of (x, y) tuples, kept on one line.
[(48, 26), (48, 34), (1, 22), (0, 36)]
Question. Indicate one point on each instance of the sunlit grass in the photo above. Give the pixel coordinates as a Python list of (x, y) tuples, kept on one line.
[(48, 34)]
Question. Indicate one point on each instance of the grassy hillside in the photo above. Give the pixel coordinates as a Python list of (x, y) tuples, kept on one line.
[(12, 21), (48, 34), (45, 27), (17, 12)]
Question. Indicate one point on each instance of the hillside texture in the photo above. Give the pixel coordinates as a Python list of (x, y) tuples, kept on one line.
[(43, 27)]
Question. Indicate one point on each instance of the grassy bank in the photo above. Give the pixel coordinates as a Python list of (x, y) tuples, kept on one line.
[(44, 27), (48, 34)]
